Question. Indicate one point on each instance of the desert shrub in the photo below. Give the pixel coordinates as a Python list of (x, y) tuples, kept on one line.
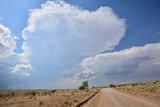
[(12, 94), (33, 93), (112, 86), (52, 91), (66, 104), (41, 102), (156, 81), (81, 87), (134, 84), (1, 95)]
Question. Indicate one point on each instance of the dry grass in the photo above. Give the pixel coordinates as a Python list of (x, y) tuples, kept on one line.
[(49, 98), (149, 89)]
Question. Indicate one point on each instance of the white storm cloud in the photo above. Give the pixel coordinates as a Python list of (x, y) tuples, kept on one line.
[(8, 56), (134, 64), (60, 34), (7, 42), (24, 56), (22, 69)]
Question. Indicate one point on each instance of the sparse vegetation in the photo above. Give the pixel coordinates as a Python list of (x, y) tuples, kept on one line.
[(150, 89), (58, 98)]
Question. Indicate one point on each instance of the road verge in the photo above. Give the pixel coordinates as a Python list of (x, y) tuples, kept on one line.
[(86, 100)]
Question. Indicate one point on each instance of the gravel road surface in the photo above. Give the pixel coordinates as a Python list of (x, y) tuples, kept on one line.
[(109, 97)]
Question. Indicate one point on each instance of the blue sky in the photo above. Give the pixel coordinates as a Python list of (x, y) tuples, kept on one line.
[(56, 47)]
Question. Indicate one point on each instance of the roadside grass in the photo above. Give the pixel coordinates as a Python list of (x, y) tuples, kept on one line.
[(151, 89), (56, 98)]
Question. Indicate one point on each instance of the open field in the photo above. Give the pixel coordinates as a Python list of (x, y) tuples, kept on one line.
[(49, 98), (148, 89), (131, 94)]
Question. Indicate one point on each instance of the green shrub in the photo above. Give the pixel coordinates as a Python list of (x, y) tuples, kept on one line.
[(53, 91), (84, 85), (112, 86), (81, 87)]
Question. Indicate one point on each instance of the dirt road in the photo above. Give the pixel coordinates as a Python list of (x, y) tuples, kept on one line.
[(112, 98)]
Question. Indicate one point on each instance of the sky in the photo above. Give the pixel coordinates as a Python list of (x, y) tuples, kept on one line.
[(58, 44)]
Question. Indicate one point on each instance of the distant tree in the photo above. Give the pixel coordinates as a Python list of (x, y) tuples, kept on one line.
[(84, 85), (112, 86)]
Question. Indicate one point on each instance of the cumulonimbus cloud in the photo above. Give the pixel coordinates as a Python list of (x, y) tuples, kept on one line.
[(60, 34)]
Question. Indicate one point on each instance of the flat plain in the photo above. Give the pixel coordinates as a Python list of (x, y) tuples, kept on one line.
[(45, 98), (147, 89)]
